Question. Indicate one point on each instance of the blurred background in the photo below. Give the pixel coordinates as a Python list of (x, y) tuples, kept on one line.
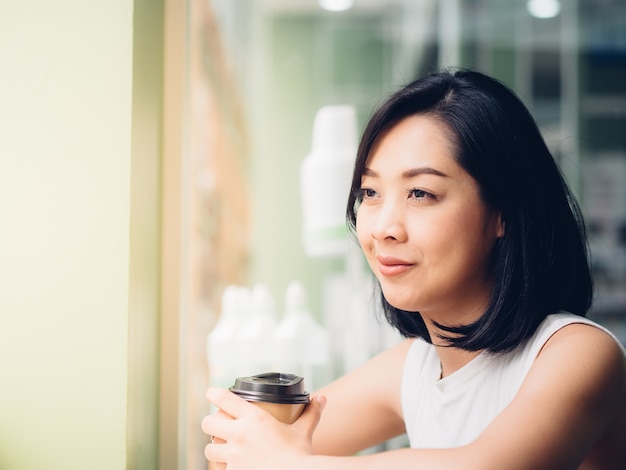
[(151, 165), (291, 59)]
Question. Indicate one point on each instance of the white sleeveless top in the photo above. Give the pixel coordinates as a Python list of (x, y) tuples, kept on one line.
[(453, 411)]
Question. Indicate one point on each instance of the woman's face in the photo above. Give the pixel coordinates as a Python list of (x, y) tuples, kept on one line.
[(422, 225)]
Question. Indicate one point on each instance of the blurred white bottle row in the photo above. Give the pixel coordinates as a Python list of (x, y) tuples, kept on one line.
[(249, 338)]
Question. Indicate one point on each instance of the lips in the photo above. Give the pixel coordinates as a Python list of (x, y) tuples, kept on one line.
[(390, 266)]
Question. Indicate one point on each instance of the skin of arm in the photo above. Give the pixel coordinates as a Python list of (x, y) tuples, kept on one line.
[(369, 399), (565, 405)]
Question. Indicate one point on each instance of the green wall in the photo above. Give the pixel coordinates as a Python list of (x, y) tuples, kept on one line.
[(310, 61)]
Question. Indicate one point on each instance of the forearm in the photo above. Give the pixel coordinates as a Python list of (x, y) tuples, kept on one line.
[(400, 459)]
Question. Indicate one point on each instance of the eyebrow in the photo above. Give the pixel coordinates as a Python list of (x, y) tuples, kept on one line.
[(413, 172)]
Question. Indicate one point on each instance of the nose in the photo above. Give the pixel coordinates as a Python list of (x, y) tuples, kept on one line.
[(389, 223)]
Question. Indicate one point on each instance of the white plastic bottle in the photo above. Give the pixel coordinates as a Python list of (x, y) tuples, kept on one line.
[(223, 356), (256, 334), (301, 344), (328, 166)]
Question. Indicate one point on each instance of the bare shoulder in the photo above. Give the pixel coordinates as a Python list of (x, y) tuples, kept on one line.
[(570, 411), (586, 333), (585, 364), (596, 371), (596, 354)]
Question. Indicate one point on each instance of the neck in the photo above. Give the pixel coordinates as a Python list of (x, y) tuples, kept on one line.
[(452, 359)]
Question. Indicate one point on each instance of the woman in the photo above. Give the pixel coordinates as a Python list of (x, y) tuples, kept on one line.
[(480, 255)]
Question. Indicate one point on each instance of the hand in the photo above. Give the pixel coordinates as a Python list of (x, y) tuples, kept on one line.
[(247, 437)]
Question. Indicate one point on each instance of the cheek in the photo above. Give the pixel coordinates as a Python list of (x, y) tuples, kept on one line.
[(363, 230), (476, 241)]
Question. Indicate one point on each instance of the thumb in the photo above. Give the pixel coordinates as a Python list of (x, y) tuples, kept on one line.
[(311, 416)]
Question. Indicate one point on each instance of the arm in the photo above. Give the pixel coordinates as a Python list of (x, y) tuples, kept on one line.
[(570, 398), (363, 407), (565, 405), (572, 395)]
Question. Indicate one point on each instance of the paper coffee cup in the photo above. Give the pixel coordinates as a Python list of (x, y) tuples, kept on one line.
[(281, 395)]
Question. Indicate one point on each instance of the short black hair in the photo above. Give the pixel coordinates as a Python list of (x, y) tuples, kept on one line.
[(541, 264)]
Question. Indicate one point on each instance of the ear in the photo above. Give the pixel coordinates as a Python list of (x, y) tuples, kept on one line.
[(499, 226)]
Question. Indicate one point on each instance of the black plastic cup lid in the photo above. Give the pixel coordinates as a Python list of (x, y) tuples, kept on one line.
[(273, 387)]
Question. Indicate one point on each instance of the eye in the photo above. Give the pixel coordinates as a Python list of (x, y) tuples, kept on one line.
[(420, 194), (363, 195), (366, 193)]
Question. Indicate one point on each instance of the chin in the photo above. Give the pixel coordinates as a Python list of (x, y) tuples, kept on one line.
[(407, 305), (400, 296)]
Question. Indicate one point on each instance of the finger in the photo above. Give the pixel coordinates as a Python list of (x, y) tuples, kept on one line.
[(229, 403), (217, 415), (216, 454), (218, 428), (312, 415), (221, 414)]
